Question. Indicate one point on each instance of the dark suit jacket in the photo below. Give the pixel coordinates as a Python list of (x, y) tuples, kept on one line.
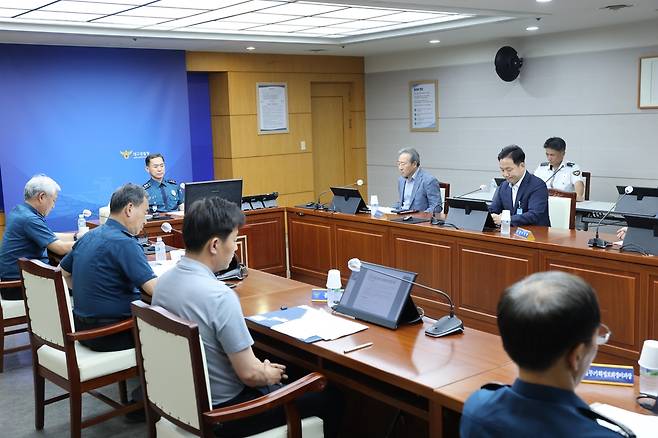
[(426, 195), (532, 199)]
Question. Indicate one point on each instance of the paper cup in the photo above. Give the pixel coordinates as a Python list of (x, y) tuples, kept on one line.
[(649, 368), (333, 279)]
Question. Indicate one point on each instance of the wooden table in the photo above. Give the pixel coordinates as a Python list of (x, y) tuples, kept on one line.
[(422, 376), (474, 268)]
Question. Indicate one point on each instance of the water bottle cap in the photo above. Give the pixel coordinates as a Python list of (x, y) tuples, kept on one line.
[(159, 239), (81, 216)]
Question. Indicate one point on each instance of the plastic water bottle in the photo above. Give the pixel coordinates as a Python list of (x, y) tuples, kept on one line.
[(334, 291), (160, 250), (82, 223), (505, 220), (374, 205)]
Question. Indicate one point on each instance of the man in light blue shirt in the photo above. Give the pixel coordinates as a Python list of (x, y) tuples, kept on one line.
[(417, 189)]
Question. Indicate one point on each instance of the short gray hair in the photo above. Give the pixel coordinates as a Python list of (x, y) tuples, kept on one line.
[(41, 184), (127, 194), (414, 156)]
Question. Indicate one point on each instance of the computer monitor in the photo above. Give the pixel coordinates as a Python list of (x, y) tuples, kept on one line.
[(380, 295), (642, 234), (469, 214), (499, 181), (229, 189), (347, 200), (642, 201)]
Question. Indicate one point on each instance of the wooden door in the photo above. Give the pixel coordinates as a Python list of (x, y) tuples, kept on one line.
[(330, 123)]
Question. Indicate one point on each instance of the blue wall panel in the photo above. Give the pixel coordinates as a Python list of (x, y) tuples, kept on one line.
[(87, 117), (200, 127)]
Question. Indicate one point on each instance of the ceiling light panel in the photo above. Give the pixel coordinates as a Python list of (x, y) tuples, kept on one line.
[(280, 28), (358, 13), (86, 7), (58, 16), (316, 21), (7, 13), (365, 24), (156, 12), (134, 21), (259, 18), (196, 4), (405, 17), (23, 4), (222, 26), (304, 9), (118, 2)]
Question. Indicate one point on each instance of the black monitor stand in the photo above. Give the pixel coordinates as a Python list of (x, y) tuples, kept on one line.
[(347, 200), (469, 214), (642, 235)]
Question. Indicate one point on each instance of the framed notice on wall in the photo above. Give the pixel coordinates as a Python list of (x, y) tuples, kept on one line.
[(424, 105), (648, 87), (272, 107)]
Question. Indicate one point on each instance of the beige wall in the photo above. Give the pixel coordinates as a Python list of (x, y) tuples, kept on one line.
[(276, 162)]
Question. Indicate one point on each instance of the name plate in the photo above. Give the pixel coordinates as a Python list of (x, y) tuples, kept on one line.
[(524, 234), (610, 374), (319, 295)]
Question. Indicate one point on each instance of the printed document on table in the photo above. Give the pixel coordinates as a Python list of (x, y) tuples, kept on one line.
[(314, 323), (644, 426)]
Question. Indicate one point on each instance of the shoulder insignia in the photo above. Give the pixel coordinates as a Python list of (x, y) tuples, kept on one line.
[(576, 172), (171, 181), (545, 163), (493, 386), (570, 164), (147, 185)]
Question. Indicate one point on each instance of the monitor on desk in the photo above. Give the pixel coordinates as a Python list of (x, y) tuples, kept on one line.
[(380, 295), (642, 234), (347, 200), (469, 214), (229, 189), (642, 201)]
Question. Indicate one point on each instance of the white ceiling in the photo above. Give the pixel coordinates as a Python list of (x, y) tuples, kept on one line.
[(491, 19)]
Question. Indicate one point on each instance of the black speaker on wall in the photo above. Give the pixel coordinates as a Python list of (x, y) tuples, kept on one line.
[(508, 64)]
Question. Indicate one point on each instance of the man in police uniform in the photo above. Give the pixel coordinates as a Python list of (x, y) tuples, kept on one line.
[(106, 268), (164, 194), (27, 234), (550, 324), (558, 173)]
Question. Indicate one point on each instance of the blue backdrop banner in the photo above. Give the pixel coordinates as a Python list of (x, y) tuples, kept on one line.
[(87, 117)]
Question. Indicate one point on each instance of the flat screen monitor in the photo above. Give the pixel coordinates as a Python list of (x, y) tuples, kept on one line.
[(642, 234), (229, 189), (642, 201), (380, 295), (469, 214), (347, 200), (499, 181)]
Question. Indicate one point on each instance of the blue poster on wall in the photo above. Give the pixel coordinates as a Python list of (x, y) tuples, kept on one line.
[(87, 117)]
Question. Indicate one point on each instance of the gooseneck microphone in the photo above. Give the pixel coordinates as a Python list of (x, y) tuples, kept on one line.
[(554, 173), (444, 325), (167, 228), (318, 206), (597, 242), (479, 189)]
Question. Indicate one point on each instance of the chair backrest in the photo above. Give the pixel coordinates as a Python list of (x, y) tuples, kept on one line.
[(562, 209), (174, 378), (445, 194), (587, 176), (47, 302)]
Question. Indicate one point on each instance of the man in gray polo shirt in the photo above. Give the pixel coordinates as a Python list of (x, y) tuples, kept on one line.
[(191, 291)]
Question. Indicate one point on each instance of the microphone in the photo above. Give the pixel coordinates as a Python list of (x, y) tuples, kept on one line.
[(554, 173), (596, 242), (358, 182), (479, 189), (86, 212), (443, 326), (167, 228)]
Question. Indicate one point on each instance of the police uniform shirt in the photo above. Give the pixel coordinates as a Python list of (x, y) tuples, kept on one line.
[(165, 195), (108, 266), (566, 177), (26, 235), (527, 409)]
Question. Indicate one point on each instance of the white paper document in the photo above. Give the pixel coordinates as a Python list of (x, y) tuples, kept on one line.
[(319, 323), (160, 268), (644, 426)]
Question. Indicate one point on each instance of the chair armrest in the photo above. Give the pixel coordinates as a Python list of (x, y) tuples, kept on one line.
[(10, 283), (101, 331), (313, 382)]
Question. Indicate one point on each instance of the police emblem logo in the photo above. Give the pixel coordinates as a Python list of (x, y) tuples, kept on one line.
[(576, 172), (173, 192), (126, 154)]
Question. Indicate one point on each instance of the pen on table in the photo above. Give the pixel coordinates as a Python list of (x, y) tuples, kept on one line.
[(357, 347)]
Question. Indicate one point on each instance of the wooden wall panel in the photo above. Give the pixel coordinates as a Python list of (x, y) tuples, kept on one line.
[(484, 272), (652, 332), (366, 243), (218, 87), (292, 199), (2, 225), (266, 233), (242, 93), (251, 62), (311, 246), (221, 136), (358, 120), (619, 298)]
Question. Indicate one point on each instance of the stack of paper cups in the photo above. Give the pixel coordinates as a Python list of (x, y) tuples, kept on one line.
[(334, 292), (649, 368)]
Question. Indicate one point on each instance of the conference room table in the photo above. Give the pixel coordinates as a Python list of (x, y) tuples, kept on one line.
[(428, 378)]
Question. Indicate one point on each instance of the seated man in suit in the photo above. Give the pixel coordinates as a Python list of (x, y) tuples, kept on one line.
[(522, 193), (550, 325), (107, 267), (418, 190), (27, 234), (191, 291)]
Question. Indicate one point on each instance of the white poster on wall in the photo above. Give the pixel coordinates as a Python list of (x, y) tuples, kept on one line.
[(272, 107), (423, 97)]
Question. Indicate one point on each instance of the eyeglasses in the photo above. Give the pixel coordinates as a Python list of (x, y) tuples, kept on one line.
[(603, 334), (402, 163)]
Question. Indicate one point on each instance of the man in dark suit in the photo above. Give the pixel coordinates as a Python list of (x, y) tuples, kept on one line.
[(417, 189), (522, 193)]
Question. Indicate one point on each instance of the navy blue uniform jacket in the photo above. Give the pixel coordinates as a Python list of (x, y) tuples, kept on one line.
[(532, 199)]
